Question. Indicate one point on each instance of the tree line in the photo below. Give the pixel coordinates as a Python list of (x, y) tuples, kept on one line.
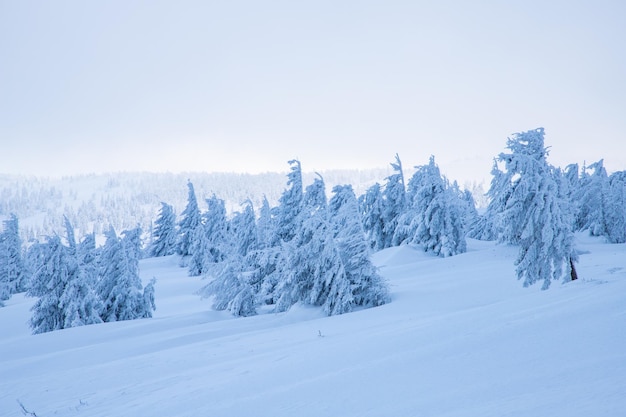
[(315, 250)]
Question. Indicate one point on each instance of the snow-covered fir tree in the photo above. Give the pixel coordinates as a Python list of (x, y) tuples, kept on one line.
[(360, 284), (265, 226), (49, 283), (86, 250), (209, 245), (34, 255), (371, 208), (12, 277), (5, 292), (590, 198), (394, 202), (615, 208), (290, 204), (6, 284), (70, 235), (242, 234), (188, 224), (66, 298), (277, 227), (535, 213), (309, 255), (231, 286), (79, 301), (268, 259), (165, 233), (437, 221), (119, 286)]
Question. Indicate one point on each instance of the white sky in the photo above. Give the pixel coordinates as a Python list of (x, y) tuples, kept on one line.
[(247, 85)]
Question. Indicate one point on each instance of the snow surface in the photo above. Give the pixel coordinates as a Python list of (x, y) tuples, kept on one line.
[(461, 337)]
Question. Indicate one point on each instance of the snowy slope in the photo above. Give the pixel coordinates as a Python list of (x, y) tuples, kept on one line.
[(460, 338)]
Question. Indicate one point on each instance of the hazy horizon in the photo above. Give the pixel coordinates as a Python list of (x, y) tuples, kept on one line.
[(247, 86)]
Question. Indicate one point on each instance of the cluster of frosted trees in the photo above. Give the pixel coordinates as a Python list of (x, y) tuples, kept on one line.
[(315, 250), (428, 210), (309, 249), (76, 283)]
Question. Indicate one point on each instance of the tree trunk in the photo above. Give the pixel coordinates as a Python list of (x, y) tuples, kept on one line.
[(573, 273)]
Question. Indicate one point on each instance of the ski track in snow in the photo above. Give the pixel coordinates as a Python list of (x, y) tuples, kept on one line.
[(461, 337)]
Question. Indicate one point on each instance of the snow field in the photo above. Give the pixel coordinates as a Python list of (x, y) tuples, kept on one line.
[(461, 337)]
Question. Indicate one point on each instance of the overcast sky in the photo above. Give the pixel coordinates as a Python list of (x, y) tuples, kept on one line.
[(245, 86)]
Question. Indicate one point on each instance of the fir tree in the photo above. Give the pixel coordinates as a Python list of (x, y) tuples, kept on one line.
[(590, 195), (615, 208), (439, 213), (209, 245), (535, 211), (49, 283), (119, 285), (277, 227), (290, 203), (5, 285), (70, 235), (266, 230), (371, 207), (360, 284), (231, 287), (190, 221), (165, 233), (307, 257), (66, 298), (242, 231), (394, 203), (267, 259), (12, 278)]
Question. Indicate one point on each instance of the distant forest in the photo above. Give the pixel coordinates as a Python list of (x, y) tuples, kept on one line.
[(129, 199)]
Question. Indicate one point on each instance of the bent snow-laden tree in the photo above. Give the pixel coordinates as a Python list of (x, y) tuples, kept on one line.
[(361, 285), (435, 217), (615, 208), (232, 287), (209, 244), (590, 198), (309, 257), (190, 221), (164, 232), (371, 208), (119, 285), (12, 277), (534, 211), (66, 298), (290, 204), (394, 204)]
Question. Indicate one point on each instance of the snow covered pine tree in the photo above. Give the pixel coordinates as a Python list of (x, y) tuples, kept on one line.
[(191, 219), (533, 211), (164, 232)]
